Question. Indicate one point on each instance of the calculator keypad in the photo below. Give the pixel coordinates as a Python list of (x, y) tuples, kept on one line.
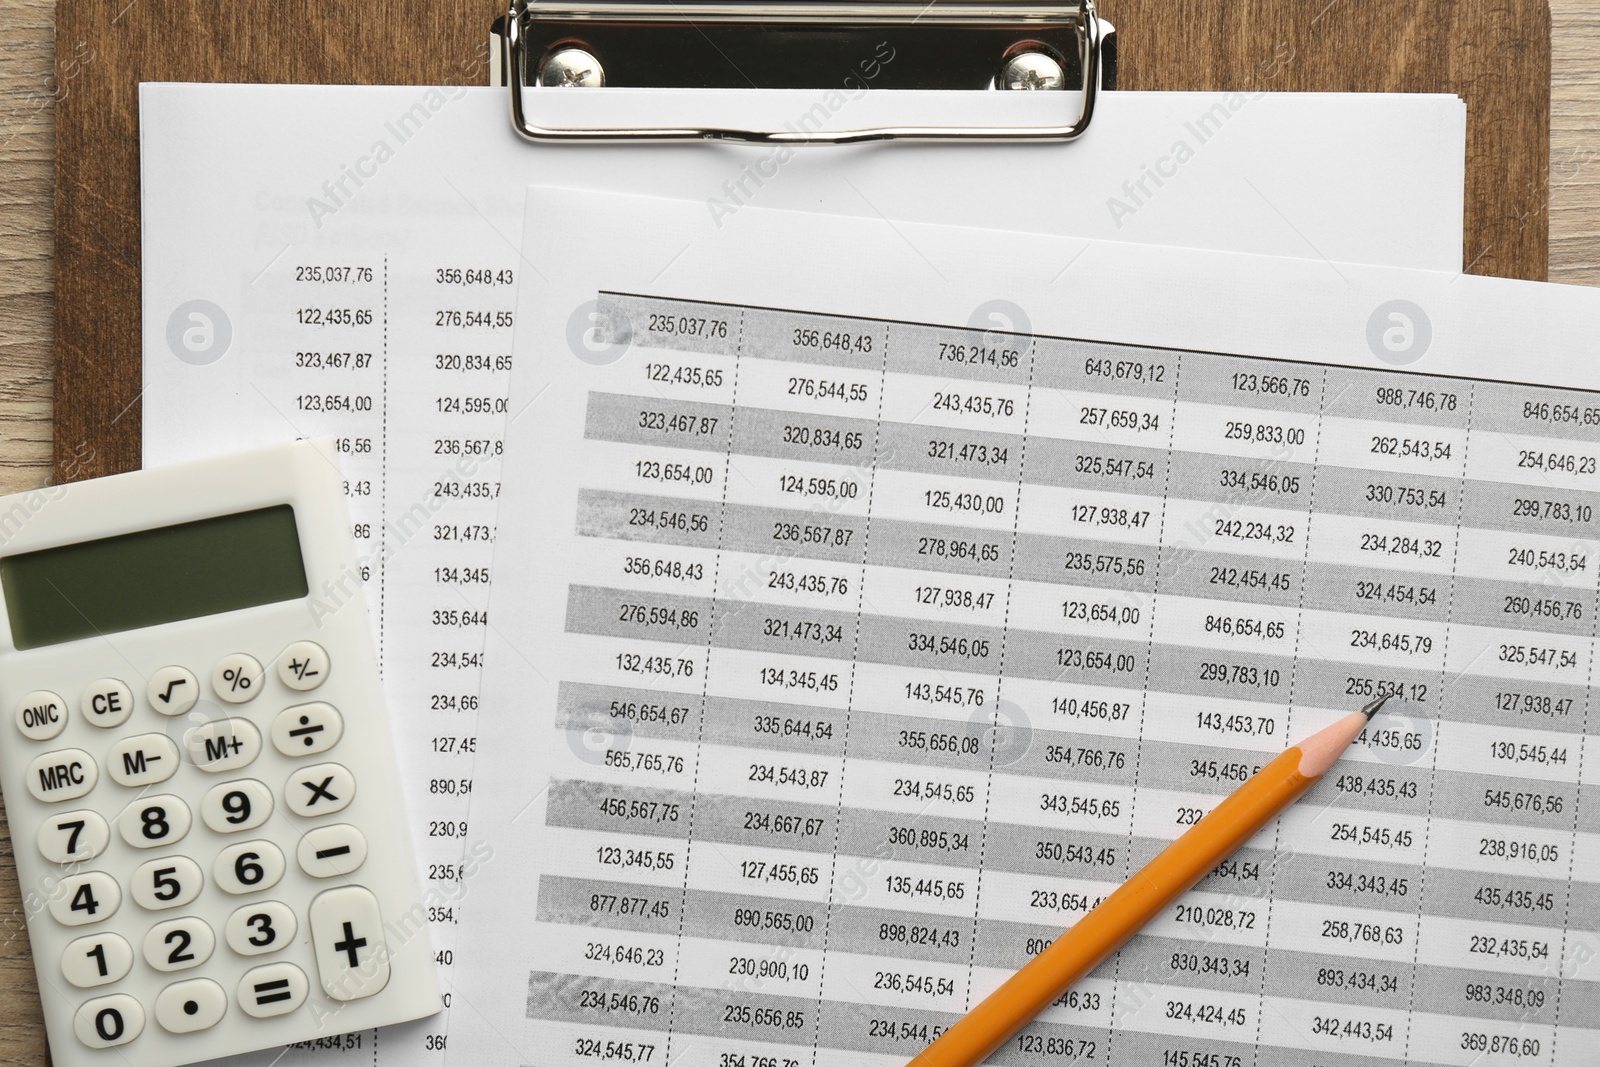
[(173, 690), (276, 989), (329, 851), (307, 729), (343, 922), (154, 822), (319, 790), (256, 929), (178, 944), (233, 807), (99, 959), (81, 899), (106, 1022), (223, 745), (169, 882), (303, 666), (65, 774), (237, 678), (146, 759), (195, 1004), (250, 867), (41, 715), (107, 703), (73, 836)]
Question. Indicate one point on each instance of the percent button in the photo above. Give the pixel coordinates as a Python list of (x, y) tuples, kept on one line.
[(237, 678)]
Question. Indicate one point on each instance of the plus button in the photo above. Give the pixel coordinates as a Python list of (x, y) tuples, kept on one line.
[(350, 943)]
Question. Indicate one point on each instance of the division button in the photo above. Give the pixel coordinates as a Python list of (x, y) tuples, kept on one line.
[(196, 1004), (276, 989), (250, 867), (154, 821), (73, 836), (234, 806), (306, 729), (319, 790), (347, 933), (41, 715), (223, 745), (332, 850), (257, 929), (65, 774), (237, 678), (303, 666), (145, 759), (107, 702), (85, 898), (99, 959), (178, 944), (169, 882), (173, 690), (106, 1022)]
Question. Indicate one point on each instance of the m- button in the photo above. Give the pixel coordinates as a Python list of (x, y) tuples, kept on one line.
[(223, 745), (142, 760), (65, 774)]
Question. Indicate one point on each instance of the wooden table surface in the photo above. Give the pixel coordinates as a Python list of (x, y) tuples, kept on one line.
[(29, 88)]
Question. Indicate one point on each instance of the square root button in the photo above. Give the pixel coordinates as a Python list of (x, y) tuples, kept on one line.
[(347, 931)]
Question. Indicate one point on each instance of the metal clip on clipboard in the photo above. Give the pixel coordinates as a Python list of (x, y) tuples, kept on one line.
[(726, 44)]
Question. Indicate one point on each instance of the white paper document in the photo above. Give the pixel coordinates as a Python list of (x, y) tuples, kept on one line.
[(844, 653), (344, 261)]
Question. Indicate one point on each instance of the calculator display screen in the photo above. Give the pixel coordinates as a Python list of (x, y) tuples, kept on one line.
[(153, 577)]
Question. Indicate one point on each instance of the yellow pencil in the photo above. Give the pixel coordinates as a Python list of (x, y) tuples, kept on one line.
[(1144, 896)]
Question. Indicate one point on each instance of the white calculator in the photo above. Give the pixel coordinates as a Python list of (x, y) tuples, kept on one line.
[(198, 772)]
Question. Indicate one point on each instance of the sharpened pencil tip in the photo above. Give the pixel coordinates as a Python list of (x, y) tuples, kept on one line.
[(1373, 708)]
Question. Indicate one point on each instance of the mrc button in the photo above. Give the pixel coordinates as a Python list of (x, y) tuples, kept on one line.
[(41, 715), (64, 774)]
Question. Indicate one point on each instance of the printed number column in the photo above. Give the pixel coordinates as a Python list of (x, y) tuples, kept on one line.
[(1226, 623), (906, 869), (619, 825), (1075, 663), (1508, 744), (783, 639)]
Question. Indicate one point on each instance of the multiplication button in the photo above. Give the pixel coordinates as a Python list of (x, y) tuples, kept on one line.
[(306, 729), (321, 789), (173, 690), (41, 715), (303, 666), (65, 774)]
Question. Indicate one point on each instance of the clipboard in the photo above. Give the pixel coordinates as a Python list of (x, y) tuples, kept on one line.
[(1493, 53)]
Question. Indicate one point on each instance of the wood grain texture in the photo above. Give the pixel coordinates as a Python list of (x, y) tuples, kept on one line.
[(30, 85)]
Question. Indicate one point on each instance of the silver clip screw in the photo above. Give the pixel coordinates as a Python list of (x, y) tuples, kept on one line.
[(1031, 70), (572, 68)]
